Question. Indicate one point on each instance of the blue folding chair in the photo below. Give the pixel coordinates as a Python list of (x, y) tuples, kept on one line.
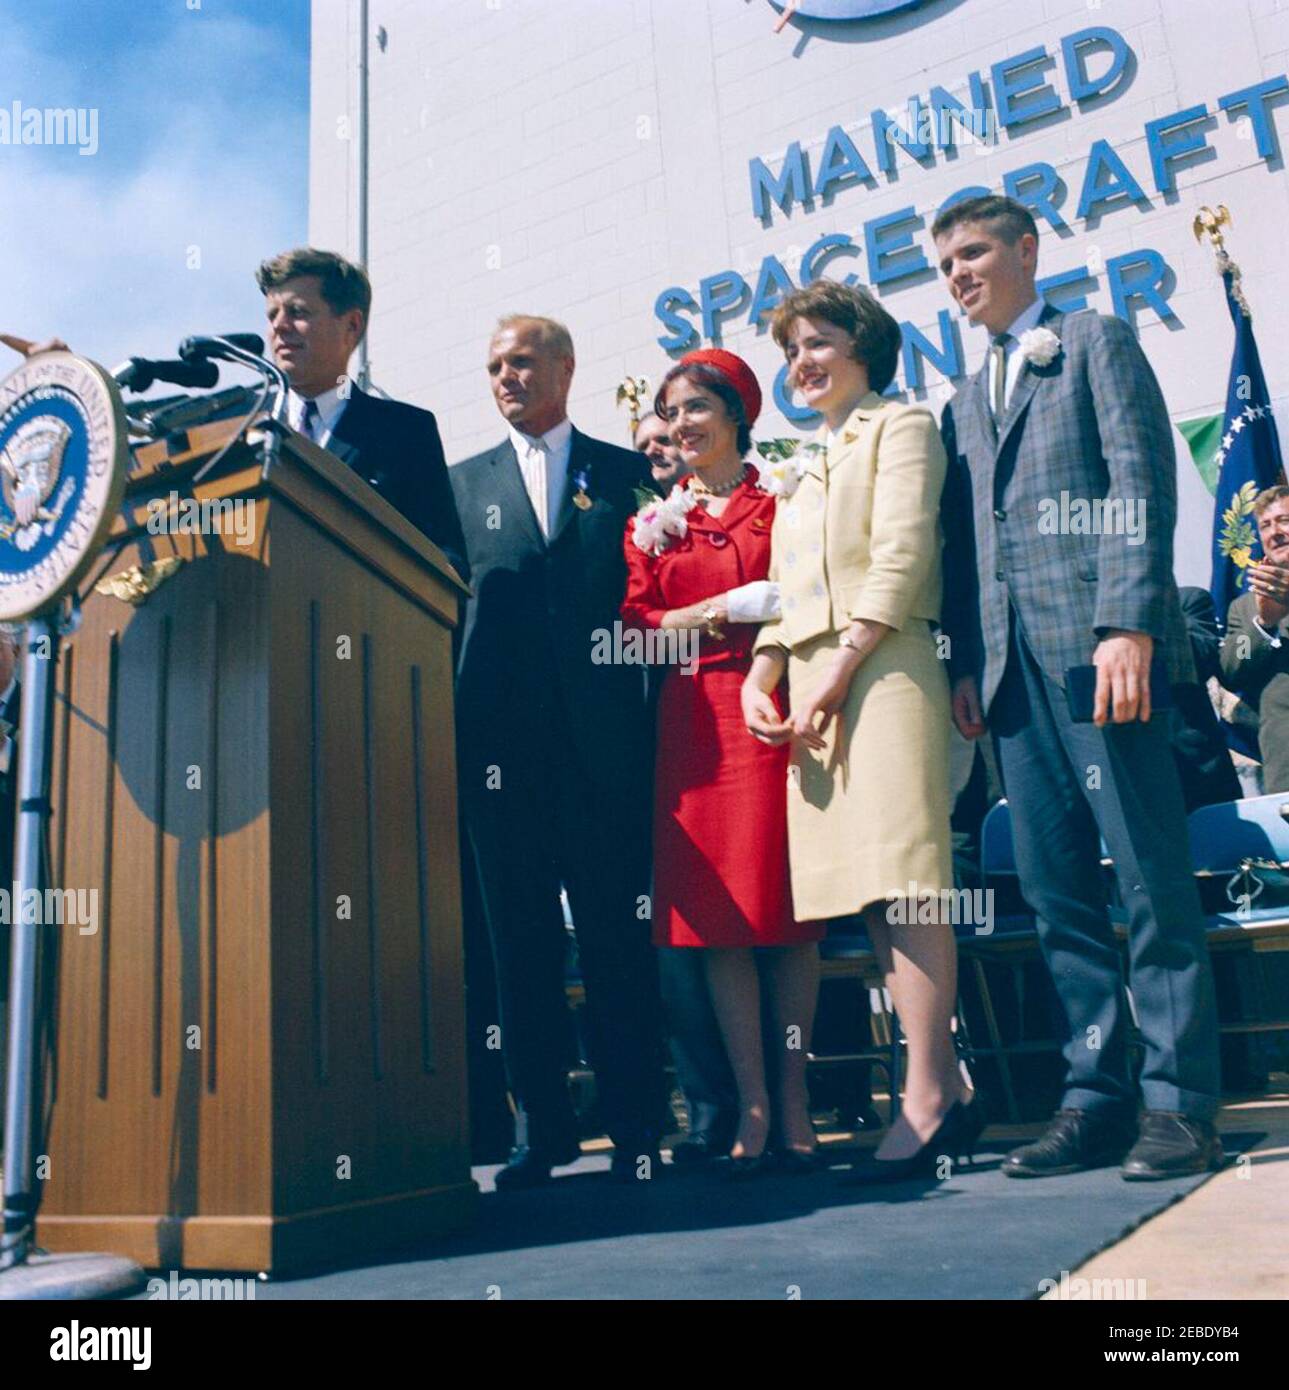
[(1013, 945), (849, 955), (1240, 851)]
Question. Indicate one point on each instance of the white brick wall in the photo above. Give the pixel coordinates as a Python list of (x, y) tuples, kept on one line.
[(576, 157)]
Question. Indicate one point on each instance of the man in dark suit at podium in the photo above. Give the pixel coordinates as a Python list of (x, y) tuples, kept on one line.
[(556, 757), (318, 305)]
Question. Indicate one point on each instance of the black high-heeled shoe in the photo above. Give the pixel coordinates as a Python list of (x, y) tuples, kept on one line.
[(798, 1162), (953, 1137), (749, 1166)]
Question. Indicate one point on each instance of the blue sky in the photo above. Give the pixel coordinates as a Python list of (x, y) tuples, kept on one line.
[(201, 168)]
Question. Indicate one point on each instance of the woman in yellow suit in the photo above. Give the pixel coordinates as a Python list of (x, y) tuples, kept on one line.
[(855, 549)]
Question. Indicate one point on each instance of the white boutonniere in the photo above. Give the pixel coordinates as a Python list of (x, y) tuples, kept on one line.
[(1039, 346), (783, 464), (661, 521)]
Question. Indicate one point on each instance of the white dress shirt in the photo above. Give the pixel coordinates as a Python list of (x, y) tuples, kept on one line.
[(331, 406), (543, 462), (1012, 359)]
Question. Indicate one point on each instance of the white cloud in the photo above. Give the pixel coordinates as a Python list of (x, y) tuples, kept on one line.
[(98, 249)]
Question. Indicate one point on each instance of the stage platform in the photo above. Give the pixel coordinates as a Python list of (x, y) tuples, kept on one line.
[(978, 1235)]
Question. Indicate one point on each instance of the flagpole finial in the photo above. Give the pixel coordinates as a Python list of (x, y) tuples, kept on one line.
[(1209, 223), (633, 390)]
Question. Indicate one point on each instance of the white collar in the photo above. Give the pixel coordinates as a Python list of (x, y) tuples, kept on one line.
[(556, 439), (1025, 320), (330, 405)]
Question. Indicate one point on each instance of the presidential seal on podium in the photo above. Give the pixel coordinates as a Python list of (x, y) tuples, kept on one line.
[(63, 455), (63, 460)]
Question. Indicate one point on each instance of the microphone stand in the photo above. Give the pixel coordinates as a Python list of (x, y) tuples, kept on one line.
[(22, 1274), (273, 375)]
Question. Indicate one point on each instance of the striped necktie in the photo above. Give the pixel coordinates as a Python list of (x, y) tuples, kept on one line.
[(998, 374)]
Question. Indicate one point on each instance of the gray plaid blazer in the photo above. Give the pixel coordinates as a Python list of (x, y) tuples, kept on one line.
[(1025, 513)]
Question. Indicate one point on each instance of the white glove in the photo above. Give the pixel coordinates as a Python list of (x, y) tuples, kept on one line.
[(756, 602)]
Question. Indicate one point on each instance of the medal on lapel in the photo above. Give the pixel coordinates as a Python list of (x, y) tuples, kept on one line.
[(581, 499)]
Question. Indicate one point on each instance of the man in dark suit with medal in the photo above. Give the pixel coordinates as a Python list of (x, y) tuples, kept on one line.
[(318, 305), (556, 758)]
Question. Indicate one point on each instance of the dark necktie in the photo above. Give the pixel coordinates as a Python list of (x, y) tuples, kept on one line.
[(310, 420)]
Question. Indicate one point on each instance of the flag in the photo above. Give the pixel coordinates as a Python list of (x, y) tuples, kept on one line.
[(1202, 435), (1247, 458)]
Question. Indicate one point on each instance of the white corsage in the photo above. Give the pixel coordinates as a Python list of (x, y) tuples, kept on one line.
[(1039, 346), (658, 523), (783, 464)]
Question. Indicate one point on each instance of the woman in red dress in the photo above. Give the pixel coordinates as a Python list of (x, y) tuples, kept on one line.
[(696, 569)]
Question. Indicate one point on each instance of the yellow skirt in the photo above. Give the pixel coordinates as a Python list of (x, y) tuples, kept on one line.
[(868, 816)]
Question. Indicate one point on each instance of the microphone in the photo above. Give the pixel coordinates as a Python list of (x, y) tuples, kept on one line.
[(138, 373), (211, 346)]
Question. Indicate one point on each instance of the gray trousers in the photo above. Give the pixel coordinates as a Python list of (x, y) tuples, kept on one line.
[(1065, 782)]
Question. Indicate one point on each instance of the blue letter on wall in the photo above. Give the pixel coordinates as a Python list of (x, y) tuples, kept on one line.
[(792, 185), (1099, 192), (834, 243), (1008, 87), (682, 332), (946, 359), (1075, 49), (1037, 186), (1149, 270), (1164, 149), (841, 163), (1256, 98), (717, 293), (788, 408), (885, 244)]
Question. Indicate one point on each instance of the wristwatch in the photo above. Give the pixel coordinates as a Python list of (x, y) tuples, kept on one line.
[(846, 640), (712, 621)]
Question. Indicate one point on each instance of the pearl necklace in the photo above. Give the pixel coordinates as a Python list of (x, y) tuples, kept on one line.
[(696, 484)]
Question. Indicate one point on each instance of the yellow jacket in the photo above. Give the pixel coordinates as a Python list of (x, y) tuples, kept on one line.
[(860, 537)]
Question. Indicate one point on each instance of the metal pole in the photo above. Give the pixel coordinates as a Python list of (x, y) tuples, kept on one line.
[(364, 369), (38, 665), (23, 1274)]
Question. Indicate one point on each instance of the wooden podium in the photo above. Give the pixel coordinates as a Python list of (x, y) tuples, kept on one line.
[(258, 1059)]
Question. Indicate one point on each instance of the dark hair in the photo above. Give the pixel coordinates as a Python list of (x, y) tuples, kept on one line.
[(343, 285), (1004, 217), (875, 336), (703, 374)]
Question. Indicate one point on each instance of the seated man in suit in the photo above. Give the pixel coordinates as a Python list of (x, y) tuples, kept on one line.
[(1203, 759), (1255, 653), (318, 306), (556, 757)]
